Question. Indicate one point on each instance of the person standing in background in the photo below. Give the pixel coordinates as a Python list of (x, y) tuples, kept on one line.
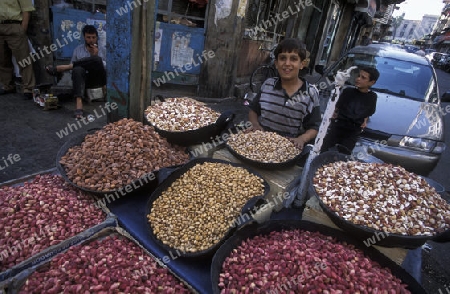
[(14, 18)]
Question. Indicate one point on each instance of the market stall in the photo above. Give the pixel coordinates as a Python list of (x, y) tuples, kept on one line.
[(217, 194)]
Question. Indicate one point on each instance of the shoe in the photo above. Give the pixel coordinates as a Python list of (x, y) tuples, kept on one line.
[(7, 91), (28, 96), (78, 114), (52, 71)]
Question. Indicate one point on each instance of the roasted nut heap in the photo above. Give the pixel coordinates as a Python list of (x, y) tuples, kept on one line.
[(383, 197), (180, 115), (266, 147), (299, 261), (199, 208), (118, 154)]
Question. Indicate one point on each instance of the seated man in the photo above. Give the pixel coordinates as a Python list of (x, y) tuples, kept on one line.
[(87, 65)]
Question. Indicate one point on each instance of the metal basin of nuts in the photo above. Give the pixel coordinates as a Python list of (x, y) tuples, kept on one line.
[(291, 256), (185, 121), (366, 198), (122, 154), (180, 115), (200, 204), (263, 149)]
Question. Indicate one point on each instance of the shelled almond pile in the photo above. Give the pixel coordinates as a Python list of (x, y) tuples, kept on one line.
[(180, 115), (383, 197)]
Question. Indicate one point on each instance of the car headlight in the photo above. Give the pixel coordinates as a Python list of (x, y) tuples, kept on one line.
[(422, 144)]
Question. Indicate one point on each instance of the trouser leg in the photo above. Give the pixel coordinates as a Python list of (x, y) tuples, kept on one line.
[(95, 72), (6, 66), (349, 140), (17, 41), (343, 134), (79, 81), (330, 138)]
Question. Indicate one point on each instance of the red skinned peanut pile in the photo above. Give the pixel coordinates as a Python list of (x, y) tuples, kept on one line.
[(299, 261), (39, 214), (111, 265)]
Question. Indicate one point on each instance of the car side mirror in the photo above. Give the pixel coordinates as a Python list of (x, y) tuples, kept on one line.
[(319, 69), (446, 97)]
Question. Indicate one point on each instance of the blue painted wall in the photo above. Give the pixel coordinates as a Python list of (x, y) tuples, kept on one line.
[(179, 39), (118, 53)]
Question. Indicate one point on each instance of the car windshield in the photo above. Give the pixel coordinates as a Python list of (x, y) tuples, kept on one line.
[(399, 77)]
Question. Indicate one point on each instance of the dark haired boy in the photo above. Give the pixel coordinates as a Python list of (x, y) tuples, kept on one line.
[(287, 104), (353, 109), (88, 67)]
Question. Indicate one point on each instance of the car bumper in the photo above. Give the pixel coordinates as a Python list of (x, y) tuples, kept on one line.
[(414, 161)]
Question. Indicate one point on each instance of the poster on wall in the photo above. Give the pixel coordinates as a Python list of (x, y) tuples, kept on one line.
[(223, 9), (181, 53), (158, 41)]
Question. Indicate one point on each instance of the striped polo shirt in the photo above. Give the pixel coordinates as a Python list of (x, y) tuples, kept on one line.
[(290, 116)]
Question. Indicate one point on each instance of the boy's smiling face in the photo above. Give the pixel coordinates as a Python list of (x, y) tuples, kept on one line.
[(288, 65), (363, 82)]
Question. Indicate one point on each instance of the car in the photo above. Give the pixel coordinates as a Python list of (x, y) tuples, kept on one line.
[(432, 56), (411, 48), (443, 63), (437, 59), (407, 128), (390, 45)]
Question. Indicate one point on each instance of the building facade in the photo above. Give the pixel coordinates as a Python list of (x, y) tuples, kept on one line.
[(440, 35), (411, 30)]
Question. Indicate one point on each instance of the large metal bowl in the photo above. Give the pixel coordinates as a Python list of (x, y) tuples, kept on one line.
[(192, 137), (251, 204), (254, 229), (364, 233), (266, 165), (149, 183)]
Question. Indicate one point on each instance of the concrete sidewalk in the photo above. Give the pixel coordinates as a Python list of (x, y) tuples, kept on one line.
[(34, 136)]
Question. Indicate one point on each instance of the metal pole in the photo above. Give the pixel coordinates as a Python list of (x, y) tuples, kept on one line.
[(298, 191)]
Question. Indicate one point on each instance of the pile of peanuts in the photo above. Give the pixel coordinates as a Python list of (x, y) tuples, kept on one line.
[(199, 208), (180, 115), (110, 265), (383, 197), (266, 147), (41, 213), (296, 261), (119, 154)]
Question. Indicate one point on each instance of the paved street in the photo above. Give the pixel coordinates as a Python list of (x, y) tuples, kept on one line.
[(440, 173), (436, 267)]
